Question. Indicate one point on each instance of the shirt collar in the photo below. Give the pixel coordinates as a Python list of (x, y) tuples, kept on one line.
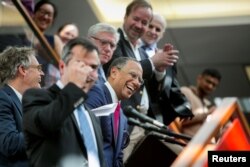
[(150, 47), (138, 44), (112, 92), (60, 84), (19, 95)]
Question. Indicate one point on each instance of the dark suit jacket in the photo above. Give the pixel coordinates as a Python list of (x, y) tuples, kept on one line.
[(168, 98), (12, 145), (124, 50), (99, 95), (50, 127)]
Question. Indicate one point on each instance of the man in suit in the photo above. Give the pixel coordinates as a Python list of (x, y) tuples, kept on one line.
[(19, 71), (169, 99), (59, 130), (124, 79), (137, 17), (105, 37)]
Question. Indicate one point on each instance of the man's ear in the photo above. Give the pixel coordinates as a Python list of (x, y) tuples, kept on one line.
[(113, 72), (21, 70), (61, 66)]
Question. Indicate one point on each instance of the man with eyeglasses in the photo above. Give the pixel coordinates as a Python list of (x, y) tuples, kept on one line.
[(124, 79), (105, 37), (19, 71)]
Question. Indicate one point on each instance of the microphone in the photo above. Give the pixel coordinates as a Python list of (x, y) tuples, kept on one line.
[(131, 112), (167, 139), (133, 121), (157, 132)]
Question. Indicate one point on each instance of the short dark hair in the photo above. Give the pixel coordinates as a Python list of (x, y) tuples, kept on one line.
[(120, 62), (42, 2), (137, 3), (212, 72), (84, 42)]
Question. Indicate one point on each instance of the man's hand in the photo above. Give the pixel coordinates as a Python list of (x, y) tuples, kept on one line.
[(78, 73), (165, 57)]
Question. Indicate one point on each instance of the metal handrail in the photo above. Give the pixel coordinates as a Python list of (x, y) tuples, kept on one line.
[(51, 52)]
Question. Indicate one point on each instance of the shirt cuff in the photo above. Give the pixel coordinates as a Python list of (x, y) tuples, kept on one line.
[(159, 75)]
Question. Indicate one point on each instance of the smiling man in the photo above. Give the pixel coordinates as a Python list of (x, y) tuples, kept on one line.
[(124, 79), (105, 37), (19, 71)]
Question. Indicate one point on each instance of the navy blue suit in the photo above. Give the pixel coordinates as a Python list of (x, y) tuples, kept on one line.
[(98, 96), (12, 145)]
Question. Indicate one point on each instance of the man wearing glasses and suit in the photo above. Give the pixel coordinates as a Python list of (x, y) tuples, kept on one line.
[(19, 71)]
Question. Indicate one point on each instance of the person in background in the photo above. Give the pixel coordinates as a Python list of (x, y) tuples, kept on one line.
[(45, 13), (167, 92), (67, 32), (105, 37), (19, 71), (206, 84), (124, 79), (59, 130), (44, 16)]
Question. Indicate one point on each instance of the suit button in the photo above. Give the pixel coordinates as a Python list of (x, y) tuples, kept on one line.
[(141, 92), (138, 107)]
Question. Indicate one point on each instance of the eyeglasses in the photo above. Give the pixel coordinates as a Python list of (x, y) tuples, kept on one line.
[(39, 67), (134, 76), (105, 42), (44, 12)]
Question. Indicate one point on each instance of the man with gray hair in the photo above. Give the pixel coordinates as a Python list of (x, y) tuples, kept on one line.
[(105, 37), (19, 71)]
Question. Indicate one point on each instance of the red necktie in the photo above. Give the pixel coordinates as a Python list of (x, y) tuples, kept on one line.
[(116, 117)]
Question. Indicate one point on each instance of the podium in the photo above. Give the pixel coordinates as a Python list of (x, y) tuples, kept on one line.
[(153, 152)]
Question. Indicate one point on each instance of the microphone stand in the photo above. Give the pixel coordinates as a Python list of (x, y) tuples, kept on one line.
[(167, 139), (157, 133), (157, 129)]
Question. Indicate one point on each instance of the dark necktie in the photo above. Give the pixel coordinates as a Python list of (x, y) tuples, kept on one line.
[(117, 118)]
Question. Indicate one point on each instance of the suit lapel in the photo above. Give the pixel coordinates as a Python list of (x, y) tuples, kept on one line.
[(125, 46), (13, 97), (55, 90), (167, 81), (109, 101), (143, 54)]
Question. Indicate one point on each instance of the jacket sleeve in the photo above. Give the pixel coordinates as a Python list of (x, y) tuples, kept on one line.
[(45, 112), (11, 138)]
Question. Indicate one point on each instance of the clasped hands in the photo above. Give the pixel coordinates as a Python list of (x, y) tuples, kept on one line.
[(165, 57)]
